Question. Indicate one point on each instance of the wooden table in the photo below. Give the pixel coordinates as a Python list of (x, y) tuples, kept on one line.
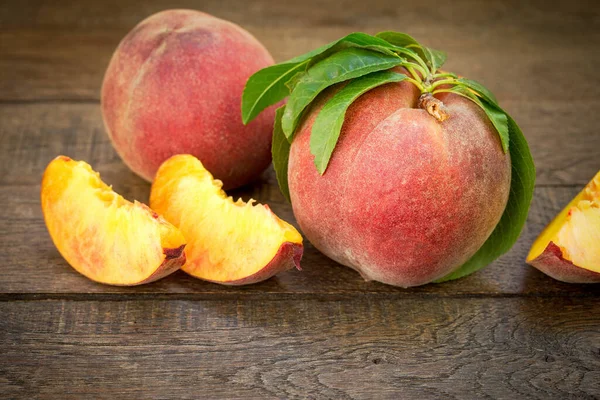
[(505, 332)]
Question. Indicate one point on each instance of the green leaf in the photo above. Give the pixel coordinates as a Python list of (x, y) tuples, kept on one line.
[(434, 58), (280, 150), (513, 219), (437, 58), (267, 87), (500, 122), (328, 124), (353, 40), (356, 39), (496, 115), (399, 39), (272, 84), (293, 81), (346, 64), (479, 88)]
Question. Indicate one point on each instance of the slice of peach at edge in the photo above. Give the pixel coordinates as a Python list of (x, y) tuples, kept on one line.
[(568, 249), (103, 236), (232, 243)]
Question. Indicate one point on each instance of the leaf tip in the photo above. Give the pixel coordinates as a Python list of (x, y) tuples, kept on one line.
[(320, 167), (246, 113)]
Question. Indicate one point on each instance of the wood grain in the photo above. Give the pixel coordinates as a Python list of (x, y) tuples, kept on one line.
[(563, 138), (355, 349), (33, 134), (506, 332), (524, 51), (33, 268)]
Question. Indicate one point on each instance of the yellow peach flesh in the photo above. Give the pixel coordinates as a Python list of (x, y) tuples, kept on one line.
[(227, 241), (576, 230), (100, 234)]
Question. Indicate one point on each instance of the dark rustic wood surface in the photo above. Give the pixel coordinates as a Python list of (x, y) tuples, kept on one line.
[(508, 348), (505, 332)]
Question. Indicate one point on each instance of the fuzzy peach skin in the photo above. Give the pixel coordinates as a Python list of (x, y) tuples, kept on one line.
[(553, 263), (232, 243), (568, 249), (103, 236), (174, 85), (405, 199)]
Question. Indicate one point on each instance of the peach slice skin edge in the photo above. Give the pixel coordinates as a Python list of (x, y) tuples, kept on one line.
[(568, 249), (231, 243), (100, 234)]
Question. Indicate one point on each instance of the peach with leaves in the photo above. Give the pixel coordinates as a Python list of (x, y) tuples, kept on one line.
[(403, 172)]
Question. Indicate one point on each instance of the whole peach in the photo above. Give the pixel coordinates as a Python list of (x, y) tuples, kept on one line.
[(174, 85), (406, 199)]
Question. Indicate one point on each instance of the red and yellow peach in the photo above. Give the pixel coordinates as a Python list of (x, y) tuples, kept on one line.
[(232, 243), (100, 234), (568, 249), (174, 85), (406, 198)]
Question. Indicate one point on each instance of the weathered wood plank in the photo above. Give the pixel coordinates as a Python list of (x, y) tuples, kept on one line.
[(505, 332), (31, 135), (354, 349), (473, 15), (32, 266), (523, 51), (562, 136)]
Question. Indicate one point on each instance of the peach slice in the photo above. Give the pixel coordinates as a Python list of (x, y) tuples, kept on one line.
[(232, 243), (568, 249), (100, 234)]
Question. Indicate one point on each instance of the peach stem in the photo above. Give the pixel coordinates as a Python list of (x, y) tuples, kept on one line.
[(433, 106), (441, 82)]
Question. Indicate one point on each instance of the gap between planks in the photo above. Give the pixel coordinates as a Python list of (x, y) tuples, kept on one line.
[(270, 296)]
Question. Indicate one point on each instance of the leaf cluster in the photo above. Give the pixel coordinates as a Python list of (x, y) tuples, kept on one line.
[(363, 62)]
